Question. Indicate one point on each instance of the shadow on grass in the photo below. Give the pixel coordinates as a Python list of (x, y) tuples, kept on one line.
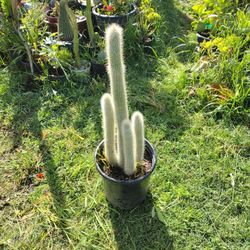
[(161, 107), (139, 228), (25, 122), (175, 26)]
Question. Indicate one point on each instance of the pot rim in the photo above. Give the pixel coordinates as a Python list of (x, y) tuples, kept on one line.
[(153, 159), (112, 16), (202, 36), (79, 19)]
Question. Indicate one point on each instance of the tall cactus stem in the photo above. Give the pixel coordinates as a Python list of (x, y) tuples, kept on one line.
[(90, 26), (128, 148), (138, 127), (74, 26), (64, 25), (116, 72), (109, 128)]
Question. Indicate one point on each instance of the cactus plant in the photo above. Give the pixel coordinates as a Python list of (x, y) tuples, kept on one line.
[(65, 29), (138, 127), (74, 26), (128, 148), (88, 14), (109, 128)]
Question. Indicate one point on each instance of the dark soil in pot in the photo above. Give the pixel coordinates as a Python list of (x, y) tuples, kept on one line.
[(126, 191)]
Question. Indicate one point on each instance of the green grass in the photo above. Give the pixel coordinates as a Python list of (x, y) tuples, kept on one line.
[(199, 194)]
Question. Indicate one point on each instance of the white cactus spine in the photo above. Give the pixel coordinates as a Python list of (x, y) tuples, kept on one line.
[(123, 139), (116, 71), (128, 148), (138, 127), (109, 128)]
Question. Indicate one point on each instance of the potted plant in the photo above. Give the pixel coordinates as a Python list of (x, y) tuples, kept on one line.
[(115, 11), (59, 51), (203, 32), (124, 159), (53, 16), (11, 17), (98, 64), (81, 70), (149, 22)]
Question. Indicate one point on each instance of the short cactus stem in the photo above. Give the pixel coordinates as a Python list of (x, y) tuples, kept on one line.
[(128, 148), (138, 127), (64, 25), (109, 128), (75, 38)]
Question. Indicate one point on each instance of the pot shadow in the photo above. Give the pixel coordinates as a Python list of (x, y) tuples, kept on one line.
[(25, 124), (139, 228)]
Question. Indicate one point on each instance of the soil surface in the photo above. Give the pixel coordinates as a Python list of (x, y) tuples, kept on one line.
[(117, 173)]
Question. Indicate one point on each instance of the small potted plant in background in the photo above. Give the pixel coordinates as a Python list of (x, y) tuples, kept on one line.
[(81, 70), (124, 159), (59, 51), (53, 15), (96, 46), (203, 32), (204, 22), (149, 22), (115, 11), (98, 63), (12, 17)]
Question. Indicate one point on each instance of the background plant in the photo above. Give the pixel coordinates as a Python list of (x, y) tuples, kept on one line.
[(11, 24), (226, 75), (116, 7)]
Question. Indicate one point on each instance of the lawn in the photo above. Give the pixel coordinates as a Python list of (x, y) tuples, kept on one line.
[(199, 192)]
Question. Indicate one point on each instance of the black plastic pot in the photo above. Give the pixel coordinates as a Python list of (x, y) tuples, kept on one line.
[(97, 69), (51, 21), (126, 194), (203, 36), (103, 20), (56, 74), (25, 65)]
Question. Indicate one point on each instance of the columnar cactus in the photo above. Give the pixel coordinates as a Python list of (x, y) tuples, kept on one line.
[(65, 30), (88, 14), (74, 26), (116, 71), (123, 139)]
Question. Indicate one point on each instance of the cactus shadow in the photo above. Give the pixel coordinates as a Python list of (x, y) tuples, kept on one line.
[(139, 228), (25, 125)]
